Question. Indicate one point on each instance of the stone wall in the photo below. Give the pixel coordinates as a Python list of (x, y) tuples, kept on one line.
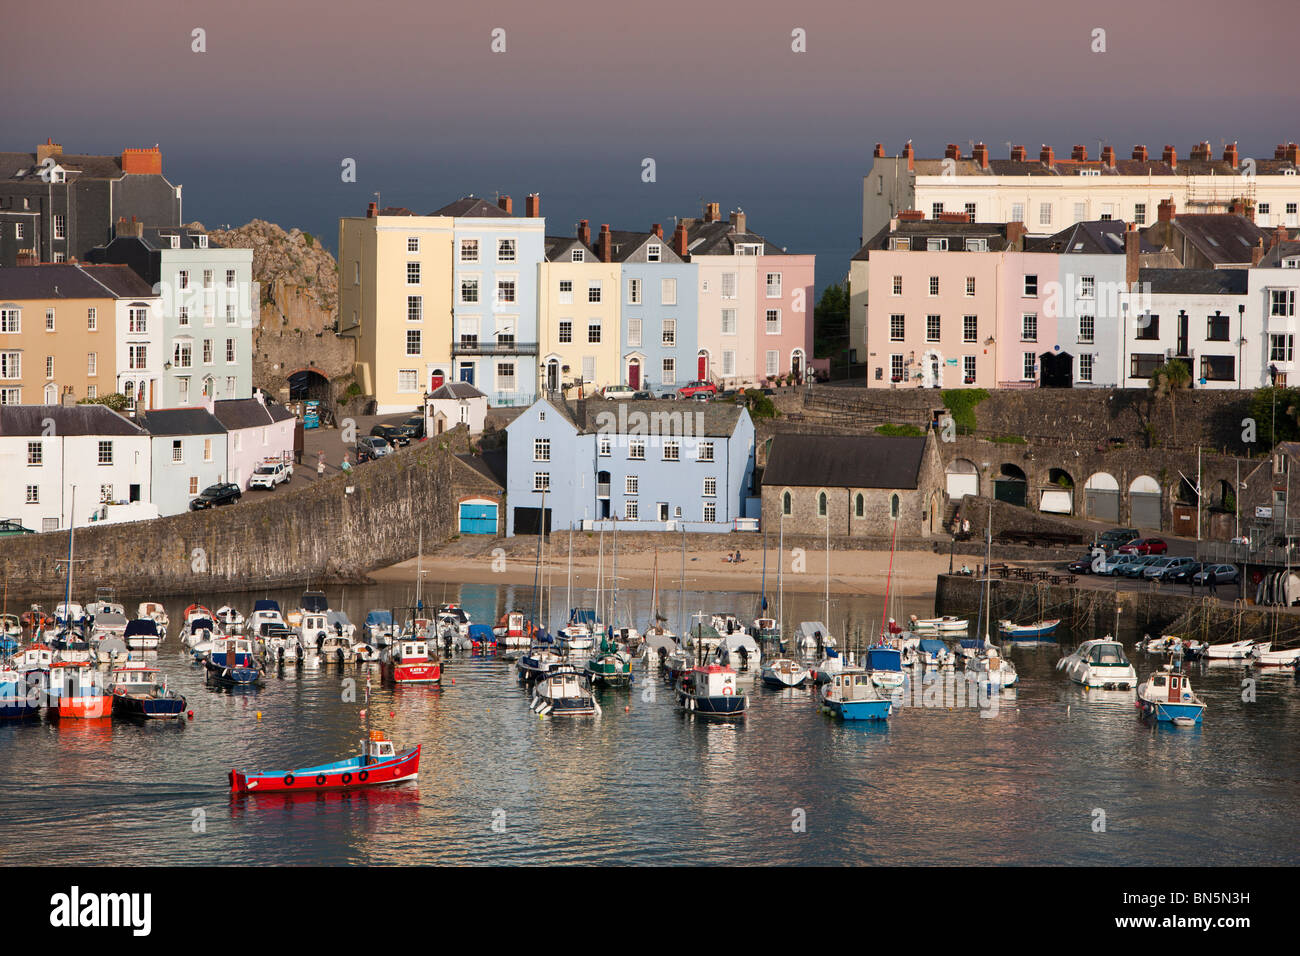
[(314, 533)]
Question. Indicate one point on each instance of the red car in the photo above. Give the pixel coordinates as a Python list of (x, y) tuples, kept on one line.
[(695, 388), (1145, 546)]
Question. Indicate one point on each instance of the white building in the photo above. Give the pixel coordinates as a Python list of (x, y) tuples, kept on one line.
[(1273, 288), (452, 404), (48, 452)]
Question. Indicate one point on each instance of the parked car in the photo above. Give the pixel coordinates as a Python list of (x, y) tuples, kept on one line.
[(697, 388), (370, 447), (1220, 573), (1114, 562), (223, 493), (617, 391), (1081, 565), (270, 474), (416, 424), (1117, 537), (395, 435), (1145, 546), (1139, 564), (1183, 573), (1175, 564), (13, 527), (701, 397), (643, 395), (1156, 568)]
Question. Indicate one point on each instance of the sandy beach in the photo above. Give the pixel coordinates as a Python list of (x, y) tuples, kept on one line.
[(851, 572)]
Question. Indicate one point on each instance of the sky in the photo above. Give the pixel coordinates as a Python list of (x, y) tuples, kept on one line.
[(258, 124)]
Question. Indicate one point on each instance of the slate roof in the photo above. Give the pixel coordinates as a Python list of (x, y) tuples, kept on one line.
[(78, 165), (558, 249), (30, 420), (844, 461), (159, 238), (1220, 237), (491, 465), (625, 243), (714, 419), (472, 208), (180, 421), (236, 413), (72, 281), (1286, 249), (717, 239), (995, 233), (1195, 281), (1103, 236), (456, 390), (1063, 165)]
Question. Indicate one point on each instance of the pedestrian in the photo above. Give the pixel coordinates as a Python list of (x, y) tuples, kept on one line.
[(1214, 581), (320, 465), (347, 465)]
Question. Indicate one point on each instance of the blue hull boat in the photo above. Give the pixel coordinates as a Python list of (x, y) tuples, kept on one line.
[(1038, 631), (1181, 714), (132, 705), (860, 709), (851, 695)]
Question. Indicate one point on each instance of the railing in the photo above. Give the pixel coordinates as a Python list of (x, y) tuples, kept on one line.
[(482, 348), (510, 399)]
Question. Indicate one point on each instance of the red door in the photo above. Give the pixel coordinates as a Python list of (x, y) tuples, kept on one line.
[(634, 375), (435, 382), (703, 371)]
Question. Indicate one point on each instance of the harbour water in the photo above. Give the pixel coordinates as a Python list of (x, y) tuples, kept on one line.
[(1056, 776)]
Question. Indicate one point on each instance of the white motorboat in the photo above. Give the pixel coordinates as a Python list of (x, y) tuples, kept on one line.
[(231, 621), (725, 623), (827, 667), (199, 630), (69, 613), (142, 634), (948, 624), (992, 670), (933, 652), (313, 631), (366, 652), (784, 672), (378, 628), (1284, 658), (739, 651), (813, 637), (1236, 650), (108, 623), (1099, 663), (155, 612), (565, 691)]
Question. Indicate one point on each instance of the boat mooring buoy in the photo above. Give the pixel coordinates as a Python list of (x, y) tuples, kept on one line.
[(259, 715)]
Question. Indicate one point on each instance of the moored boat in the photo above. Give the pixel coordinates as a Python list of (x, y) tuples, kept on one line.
[(142, 634), (1037, 631), (739, 650), (1167, 697), (884, 664), (156, 612), (231, 621), (1285, 658), (1236, 650), (140, 691), (231, 661), (1099, 663), (783, 672), (992, 670), (851, 695), (378, 627), (377, 764), (16, 698), (610, 663), (711, 691), (410, 662), (564, 692), (77, 692)]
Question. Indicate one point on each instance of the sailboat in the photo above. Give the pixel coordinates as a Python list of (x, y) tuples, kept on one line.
[(658, 641), (984, 662)]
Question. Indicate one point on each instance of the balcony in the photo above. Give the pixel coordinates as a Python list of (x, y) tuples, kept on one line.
[(464, 347)]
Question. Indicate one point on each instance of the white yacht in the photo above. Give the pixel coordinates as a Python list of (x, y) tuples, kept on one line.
[(1099, 663)]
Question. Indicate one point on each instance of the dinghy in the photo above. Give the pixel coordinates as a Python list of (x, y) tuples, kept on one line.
[(1039, 630), (1235, 650)]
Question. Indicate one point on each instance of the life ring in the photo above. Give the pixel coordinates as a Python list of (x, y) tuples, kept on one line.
[(363, 775), (288, 780), (347, 778), (320, 779), (727, 691)]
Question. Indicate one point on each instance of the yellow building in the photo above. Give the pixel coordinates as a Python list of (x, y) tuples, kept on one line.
[(579, 317), (395, 299)]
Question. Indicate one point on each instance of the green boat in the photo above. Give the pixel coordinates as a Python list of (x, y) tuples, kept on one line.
[(610, 663)]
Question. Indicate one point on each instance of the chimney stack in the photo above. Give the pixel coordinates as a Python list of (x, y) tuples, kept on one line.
[(533, 205), (142, 162), (658, 230), (584, 233), (680, 240), (952, 152), (1201, 150), (1293, 154), (1019, 154), (47, 149), (1280, 151), (1230, 155), (606, 244), (504, 203), (712, 211), (1015, 233), (1132, 254), (133, 228), (909, 156), (1108, 156), (1280, 235), (953, 217), (1170, 157), (1140, 153), (372, 210), (738, 222), (1046, 156), (981, 155), (1166, 212), (880, 151), (911, 215), (1079, 153), (1257, 252)]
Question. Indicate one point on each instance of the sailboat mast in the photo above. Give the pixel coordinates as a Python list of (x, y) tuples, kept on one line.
[(988, 574), (780, 580), (828, 566), (568, 590), (681, 589), (72, 525), (762, 608), (537, 569), (613, 611), (600, 574)]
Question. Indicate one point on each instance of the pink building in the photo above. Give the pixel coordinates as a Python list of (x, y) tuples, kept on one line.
[(1031, 303)]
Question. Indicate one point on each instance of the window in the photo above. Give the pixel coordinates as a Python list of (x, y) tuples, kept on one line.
[(934, 285), (183, 389), (1140, 214), (894, 506), (785, 503), (631, 510), (469, 250), (49, 366), (1282, 302), (672, 451), (606, 445), (183, 315), (969, 328), (821, 504), (505, 376), (178, 451), (505, 250), (1216, 328), (1027, 372), (11, 320), (11, 364), (412, 341), (728, 285), (1107, 211), (137, 321), (704, 451), (1044, 213), (710, 511), (1281, 348), (60, 226), (33, 494), (183, 279), (541, 481), (1087, 328), (593, 291), (92, 363), (1085, 367), (414, 308), (49, 320), (898, 285), (1087, 287), (106, 453), (728, 321), (106, 493), (1017, 212), (230, 387), (970, 286), (728, 362), (634, 333), (710, 487), (181, 354), (1218, 368), (18, 230), (968, 369), (1029, 327), (541, 449), (1148, 327), (634, 291), (970, 212), (932, 324), (896, 368), (1031, 285), (654, 252), (566, 330), (1141, 365), (207, 351), (773, 325), (92, 391), (667, 291), (407, 380), (412, 273), (774, 285), (137, 357), (35, 454), (11, 396), (230, 315), (593, 332), (505, 290), (566, 291), (1264, 209), (230, 278), (936, 210), (630, 485), (207, 278), (669, 371), (772, 363), (636, 449), (668, 333)]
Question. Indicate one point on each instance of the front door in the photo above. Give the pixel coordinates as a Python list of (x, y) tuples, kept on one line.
[(436, 380), (663, 511), (553, 375), (702, 367), (467, 372), (634, 374)]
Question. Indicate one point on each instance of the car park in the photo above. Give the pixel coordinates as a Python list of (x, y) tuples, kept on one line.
[(1145, 546), (1135, 567), (697, 388), (1183, 574), (416, 424), (1114, 563), (212, 496), (1116, 537), (269, 474), (1081, 565), (370, 447)]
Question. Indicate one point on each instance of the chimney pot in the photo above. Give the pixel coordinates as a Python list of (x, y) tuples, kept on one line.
[(1280, 151), (880, 151), (1015, 233), (1080, 153), (1230, 155), (372, 210), (680, 240), (911, 215), (533, 206), (1293, 154), (505, 204), (952, 152), (1166, 211), (606, 244), (1108, 156), (1140, 153), (658, 230), (1132, 254), (1019, 154), (1046, 156), (1257, 252), (909, 156), (981, 155), (1170, 157)]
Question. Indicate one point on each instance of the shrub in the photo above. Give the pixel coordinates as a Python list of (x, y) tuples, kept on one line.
[(1009, 439), (760, 405), (961, 403), (900, 431)]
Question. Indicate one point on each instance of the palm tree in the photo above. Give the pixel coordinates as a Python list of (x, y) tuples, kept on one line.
[(1168, 380)]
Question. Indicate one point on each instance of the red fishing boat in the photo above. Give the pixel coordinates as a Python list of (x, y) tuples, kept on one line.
[(378, 764), (409, 662), (77, 691)]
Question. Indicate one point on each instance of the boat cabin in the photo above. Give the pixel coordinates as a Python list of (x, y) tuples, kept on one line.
[(1106, 654), (714, 680), (378, 749), (412, 650), (240, 647), (851, 684), (34, 657), (455, 611), (135, 678), (1178, 687), (884, 659)]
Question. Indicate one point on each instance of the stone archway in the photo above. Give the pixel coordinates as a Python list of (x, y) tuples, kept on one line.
[(1146, 503), (1011, 485), (1101, 497)]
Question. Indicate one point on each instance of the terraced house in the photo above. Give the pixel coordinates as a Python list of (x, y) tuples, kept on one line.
[(578, 317)]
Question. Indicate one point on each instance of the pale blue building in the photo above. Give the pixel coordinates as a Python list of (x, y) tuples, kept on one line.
[(649, 466), (188, 454), (660, 311)]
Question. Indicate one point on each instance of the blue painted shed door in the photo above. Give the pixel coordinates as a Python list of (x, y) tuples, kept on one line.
[(478, 519)]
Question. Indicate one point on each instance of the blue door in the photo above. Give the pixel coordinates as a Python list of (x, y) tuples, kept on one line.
[(467, 374), (478, 519)]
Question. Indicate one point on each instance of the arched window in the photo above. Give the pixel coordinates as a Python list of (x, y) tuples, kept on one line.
[(858, 505), (821, 504), (785, 503), (893, 506)]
